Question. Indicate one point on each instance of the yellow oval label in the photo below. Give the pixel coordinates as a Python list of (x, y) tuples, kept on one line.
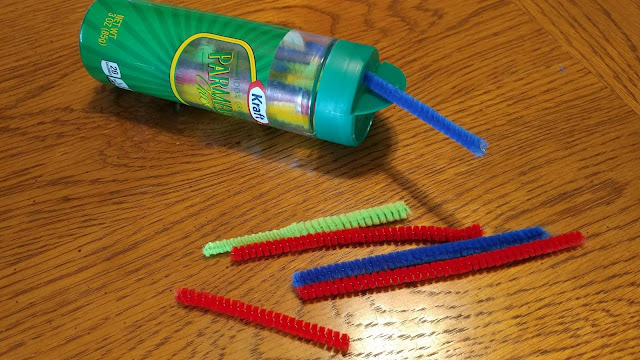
[(214, 72)]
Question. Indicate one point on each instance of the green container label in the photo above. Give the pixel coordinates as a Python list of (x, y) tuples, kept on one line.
[(201, 59)]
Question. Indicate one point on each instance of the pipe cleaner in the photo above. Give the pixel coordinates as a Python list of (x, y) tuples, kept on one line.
[(353, 236), (264, 317), (421, 110), (420, 255), (439, 269), (360, 218)]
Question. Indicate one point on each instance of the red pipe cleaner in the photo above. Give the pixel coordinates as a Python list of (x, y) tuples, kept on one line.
[(439, 268), (353, 236), (268, 318)]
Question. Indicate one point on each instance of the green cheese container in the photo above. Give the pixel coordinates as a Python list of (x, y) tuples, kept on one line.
[(289, 79)]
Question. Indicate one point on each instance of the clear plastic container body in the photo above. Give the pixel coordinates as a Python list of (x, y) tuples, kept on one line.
[(293, 80)]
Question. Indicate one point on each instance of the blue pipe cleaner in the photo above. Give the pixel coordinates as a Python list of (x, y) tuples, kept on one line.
[(315, 49), (417, 256), (457, 133), (280, 66)]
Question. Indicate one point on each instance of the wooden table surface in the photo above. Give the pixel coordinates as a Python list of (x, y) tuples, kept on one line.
[(107, 196)]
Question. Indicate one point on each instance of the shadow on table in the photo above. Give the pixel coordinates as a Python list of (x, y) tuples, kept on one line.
[(295, 151)]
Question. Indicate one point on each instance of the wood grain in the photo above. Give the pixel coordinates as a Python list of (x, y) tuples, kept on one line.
[(107, 196), (604, 35)]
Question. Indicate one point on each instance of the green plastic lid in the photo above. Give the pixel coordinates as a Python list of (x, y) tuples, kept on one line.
[(344, 106)]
